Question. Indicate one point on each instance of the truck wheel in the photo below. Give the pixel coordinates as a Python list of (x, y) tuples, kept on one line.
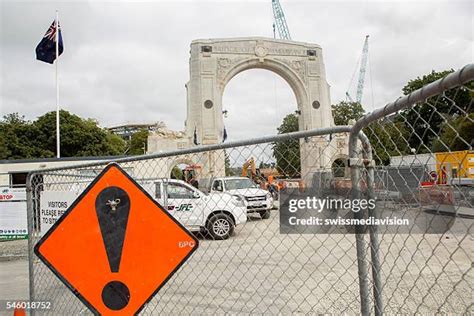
[(264, 214), (220, 226)]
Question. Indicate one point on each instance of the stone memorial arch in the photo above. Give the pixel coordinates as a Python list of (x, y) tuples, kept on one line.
[(214, 62)]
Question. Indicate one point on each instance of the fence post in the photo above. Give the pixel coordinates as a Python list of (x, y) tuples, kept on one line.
[(359, 230), (456, 78), (31, 234), (373, 229)]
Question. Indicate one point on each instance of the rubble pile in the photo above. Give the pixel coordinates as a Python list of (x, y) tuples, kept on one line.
[(162, 131)]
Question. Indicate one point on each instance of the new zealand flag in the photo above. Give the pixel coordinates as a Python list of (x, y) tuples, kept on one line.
[(46, 49)]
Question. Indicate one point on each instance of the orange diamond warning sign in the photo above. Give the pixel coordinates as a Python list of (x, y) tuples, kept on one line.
[(115, 247)]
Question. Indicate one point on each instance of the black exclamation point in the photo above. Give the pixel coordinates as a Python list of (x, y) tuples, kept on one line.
[(113, 206)]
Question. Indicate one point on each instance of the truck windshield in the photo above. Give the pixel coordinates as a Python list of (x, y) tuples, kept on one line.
[(235, 184)]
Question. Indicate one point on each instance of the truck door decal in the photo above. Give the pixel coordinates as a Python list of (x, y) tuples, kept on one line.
[(185, 207)]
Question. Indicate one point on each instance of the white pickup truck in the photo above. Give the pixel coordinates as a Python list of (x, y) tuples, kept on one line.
[(196, 210), (256, 200)]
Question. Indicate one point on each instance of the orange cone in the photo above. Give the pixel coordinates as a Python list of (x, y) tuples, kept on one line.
[(19, 312)]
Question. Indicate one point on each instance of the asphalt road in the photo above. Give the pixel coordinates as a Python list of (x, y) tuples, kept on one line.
[(13, 282), (14, 279)]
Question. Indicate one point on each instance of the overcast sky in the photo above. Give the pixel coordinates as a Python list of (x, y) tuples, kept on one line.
[(128, 61)]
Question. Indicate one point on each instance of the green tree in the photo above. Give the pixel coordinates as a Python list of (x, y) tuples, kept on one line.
[(79, 137), (18, 138), (4, 150), (287, 153), (264, 165), (176, 173), (456, 134), (138, 142), (387, 139), (426, 119), (229, 171), (116, 143), (344, 111)]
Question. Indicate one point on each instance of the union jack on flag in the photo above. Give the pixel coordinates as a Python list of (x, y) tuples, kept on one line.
[(46, 49)]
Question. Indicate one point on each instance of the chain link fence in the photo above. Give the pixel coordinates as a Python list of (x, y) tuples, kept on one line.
[(422, 170), (246, 265)]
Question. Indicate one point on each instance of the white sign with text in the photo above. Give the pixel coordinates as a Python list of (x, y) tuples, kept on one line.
[(53, 205), (13, 220)]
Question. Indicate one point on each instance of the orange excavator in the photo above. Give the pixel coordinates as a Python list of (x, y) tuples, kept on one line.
[(260, 178)]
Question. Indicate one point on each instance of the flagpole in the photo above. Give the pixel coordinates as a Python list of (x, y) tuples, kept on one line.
[(58, 141)]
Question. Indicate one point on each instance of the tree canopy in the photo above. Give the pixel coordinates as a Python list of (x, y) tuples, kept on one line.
[(383, 135), (287, 153), (138, 142), (428, 120), (344, 111), (441, 123), (456, 134), (37, 139)]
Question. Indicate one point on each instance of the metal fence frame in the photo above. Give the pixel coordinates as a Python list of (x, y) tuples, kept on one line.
[(193, 150), (356, 165), (452, 80)]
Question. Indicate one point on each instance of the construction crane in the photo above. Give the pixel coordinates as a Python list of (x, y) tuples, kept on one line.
[(363, 67), (280, 21)]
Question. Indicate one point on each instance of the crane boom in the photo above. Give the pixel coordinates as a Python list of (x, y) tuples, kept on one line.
[(363, 66), (280, 21), (348, 96)]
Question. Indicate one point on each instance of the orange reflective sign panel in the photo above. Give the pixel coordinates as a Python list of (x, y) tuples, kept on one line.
[(115, 247)]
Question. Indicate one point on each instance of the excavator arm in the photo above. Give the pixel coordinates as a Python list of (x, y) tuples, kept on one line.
[(249, 164)]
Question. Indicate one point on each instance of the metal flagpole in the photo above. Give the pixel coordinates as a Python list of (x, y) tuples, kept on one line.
[(58, 141)]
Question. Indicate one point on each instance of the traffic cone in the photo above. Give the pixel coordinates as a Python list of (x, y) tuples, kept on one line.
[(19, 312)]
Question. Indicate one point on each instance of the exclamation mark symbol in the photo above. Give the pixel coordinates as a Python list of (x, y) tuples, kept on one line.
[(113, 207)]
